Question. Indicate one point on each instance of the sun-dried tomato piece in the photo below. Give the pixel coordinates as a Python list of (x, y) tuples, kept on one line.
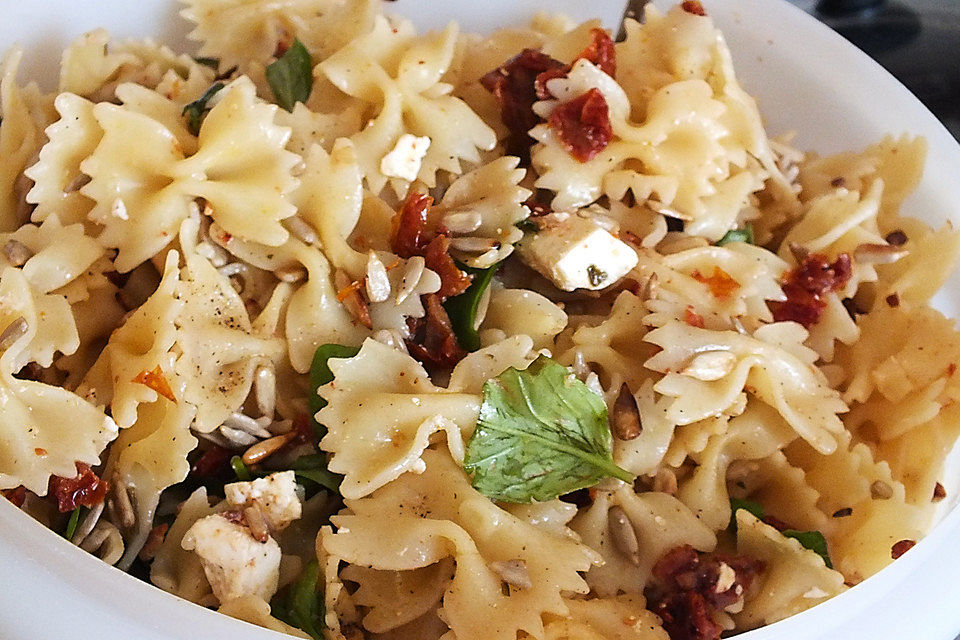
[(410, 237), (721, 284), (512, 84), (433, 341), (156, 381), (453, 281), (694, 7), (601, 52), (807, 284), (154, 540), (85, 488), (693, 318), (214, 462), (690, 587), (16, 495), (583, 125)]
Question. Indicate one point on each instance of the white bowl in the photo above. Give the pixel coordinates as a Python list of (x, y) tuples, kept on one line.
[(806, 78)]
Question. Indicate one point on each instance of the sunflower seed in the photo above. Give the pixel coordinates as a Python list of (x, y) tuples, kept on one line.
[(623, 534), (104, 542), (470, 244), (17, 253), (625, 421), (265, 389), (246, 424), (878, 253), (411, 278), (266, 448), (462, 222), (254, 518), (377, 281), (14, 331)]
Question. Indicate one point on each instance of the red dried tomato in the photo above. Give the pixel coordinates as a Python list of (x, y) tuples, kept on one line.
[(154, 540), (433, 341), (694, 7), (601, 52), (693, 318), (214, 462), (806, 285), (512, 84), (409, 236), (721, 284), (687, 591), (85, 489), (453, 281), (16, 495), (583, 125)]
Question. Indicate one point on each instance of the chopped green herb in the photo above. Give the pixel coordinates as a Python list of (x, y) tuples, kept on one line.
[(462, 309), (291, 76), (812, 540), (304, 603), (72, 523), (747, 505), (527, 226), (737, 235), (213, 63), (240, 469), (542, 433), (313, 467), (197, 110), (320, 375), (595, 275)]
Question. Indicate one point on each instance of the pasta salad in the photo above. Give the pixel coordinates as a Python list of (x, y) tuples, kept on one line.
[(353, 332)]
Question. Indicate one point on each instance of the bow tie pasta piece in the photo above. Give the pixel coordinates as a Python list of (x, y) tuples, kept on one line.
[(704, 180), (21, 135), (793, 580), (147, 458), (706, 371), (88, 64), (623, 617), (140, 346), (718, 283), (239, 33), (381, 412), (309, 127), (851, 477), (255, 610), (521, 311), (783, 491), (56, 175), (240, 168), (418, 520), (643, 454), (395, 598), (44, 430), (399, 76), (218, 350), (160, 108), (658, 522), (757, 433)]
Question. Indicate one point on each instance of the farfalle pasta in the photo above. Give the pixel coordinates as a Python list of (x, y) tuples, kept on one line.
[(349, 331)]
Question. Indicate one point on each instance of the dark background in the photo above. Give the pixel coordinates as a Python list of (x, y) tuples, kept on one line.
[(918, 41)]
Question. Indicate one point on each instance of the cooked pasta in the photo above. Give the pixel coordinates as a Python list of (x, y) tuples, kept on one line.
[(353, 332)]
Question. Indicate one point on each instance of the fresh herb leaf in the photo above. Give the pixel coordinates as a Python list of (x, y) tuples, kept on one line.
[(737, 235), (812, 540), (462, 309), (291, 76), (314, 468), (747, 505), (305, 604), (527, 226), (197, 110), (542, 433), (240, 469), (320, 375), (213, 63), (72, 523), (595, 275)]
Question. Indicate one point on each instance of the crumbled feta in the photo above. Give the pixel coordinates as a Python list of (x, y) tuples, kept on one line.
[(578, 254), (405, 159), (275, 494), (235, 563)]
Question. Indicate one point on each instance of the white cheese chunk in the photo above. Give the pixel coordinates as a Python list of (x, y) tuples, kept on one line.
[(275, 494), (578, 254), (235, 563), (405, 159)]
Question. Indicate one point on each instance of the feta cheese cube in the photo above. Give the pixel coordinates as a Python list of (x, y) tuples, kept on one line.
[(405, 159), (578, 254), (235, 563), (275, 494)]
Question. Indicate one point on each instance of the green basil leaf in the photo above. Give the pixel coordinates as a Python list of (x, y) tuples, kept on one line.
[(291, 76), (240, 469), (314, 468), (320, 375), (747, 505), (305, 604), (72, 523), (462, 309), (737, 235), (812, 540), (541, 433), (197, 110), (213, 63)]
